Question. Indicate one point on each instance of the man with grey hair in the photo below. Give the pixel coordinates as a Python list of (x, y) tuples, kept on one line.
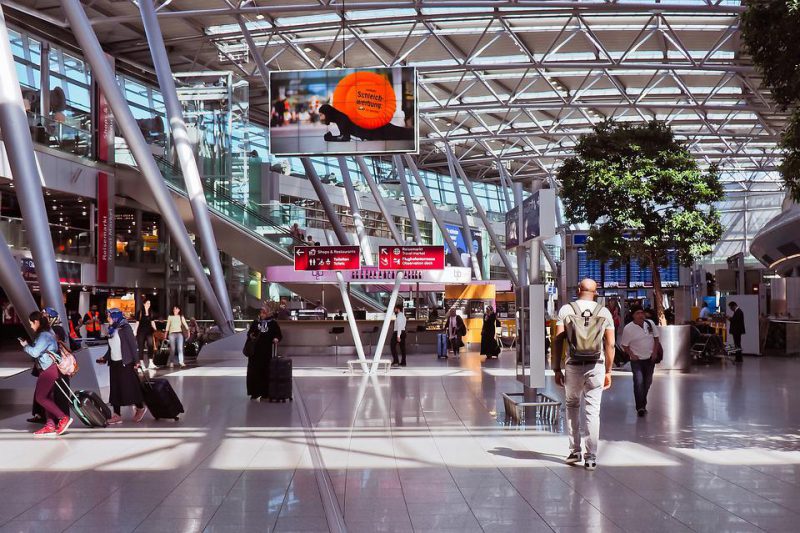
[(588, 329)]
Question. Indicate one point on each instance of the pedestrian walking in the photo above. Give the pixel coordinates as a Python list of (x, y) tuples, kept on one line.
[(588, 329)]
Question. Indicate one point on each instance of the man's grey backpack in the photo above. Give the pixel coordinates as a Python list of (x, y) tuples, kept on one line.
[(585, 330)]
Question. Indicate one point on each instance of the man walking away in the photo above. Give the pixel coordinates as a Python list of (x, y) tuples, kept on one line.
[(589, 331), (736, 328), (640, 342), (399, 336)]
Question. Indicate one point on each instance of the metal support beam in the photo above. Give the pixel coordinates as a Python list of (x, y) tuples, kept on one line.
[(327, 206), (386, 321), (106, 79), (434, 212), (522, 252), (466, 231), (14, 285), (27, 182), (487, 223), (183, 147), (376, 194), (351, 320), (355, 210), (412, 216), (505, 183), (251, 45)]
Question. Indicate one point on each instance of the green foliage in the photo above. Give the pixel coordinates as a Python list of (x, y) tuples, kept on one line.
[(771, 33), (642, 193), (790, 168)]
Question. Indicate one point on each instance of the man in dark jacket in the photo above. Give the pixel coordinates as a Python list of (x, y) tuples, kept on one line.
[(736, 328)]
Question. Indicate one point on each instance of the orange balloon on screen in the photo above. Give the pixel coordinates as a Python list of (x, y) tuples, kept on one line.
[(367, 98)]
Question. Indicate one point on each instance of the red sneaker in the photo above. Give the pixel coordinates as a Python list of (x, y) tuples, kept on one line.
[(63, 424), (46, 431)]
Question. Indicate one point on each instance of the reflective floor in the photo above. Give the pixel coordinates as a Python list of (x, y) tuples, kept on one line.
[(418, 451)]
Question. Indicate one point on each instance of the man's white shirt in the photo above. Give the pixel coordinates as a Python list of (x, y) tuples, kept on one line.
[(640, 339), (399, 323)]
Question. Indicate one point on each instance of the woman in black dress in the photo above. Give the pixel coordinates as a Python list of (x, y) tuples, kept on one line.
[(489, 346), (263, 334), (123, 359)]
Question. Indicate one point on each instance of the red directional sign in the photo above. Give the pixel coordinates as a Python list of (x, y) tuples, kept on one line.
[(327, 258), (411, 258)]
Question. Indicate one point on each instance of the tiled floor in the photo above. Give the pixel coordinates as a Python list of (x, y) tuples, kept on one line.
[(418, 451)]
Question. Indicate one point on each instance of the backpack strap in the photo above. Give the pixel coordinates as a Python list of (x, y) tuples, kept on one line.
[(574, 306)]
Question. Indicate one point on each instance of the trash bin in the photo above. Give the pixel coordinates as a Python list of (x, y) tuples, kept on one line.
[(676, 341)]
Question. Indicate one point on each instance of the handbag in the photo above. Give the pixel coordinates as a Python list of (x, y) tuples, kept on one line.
[(249, 349), (66, 362)]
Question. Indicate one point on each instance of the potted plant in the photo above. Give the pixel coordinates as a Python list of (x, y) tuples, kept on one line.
[(644, 197)]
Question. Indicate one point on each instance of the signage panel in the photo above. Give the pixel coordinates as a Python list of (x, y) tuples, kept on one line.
[(106, 236), (314, 258), (411, 257)]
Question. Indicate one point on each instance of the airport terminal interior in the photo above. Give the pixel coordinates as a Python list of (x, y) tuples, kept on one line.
[(409, 266)]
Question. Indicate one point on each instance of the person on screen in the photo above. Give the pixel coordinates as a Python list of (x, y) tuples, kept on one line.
[(347, 128)]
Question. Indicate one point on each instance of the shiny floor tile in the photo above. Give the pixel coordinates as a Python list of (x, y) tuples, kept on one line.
[(418, 450)]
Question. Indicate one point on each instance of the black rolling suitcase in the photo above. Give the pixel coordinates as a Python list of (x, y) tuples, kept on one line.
[(87, 406), (160, 398), (279, 386)]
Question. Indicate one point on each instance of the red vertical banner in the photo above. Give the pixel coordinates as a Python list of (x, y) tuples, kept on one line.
[(104, 150), (106, 242)]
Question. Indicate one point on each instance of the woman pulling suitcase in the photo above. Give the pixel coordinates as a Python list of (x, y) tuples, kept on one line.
[(123, 359), (43, 346), (263, 334)]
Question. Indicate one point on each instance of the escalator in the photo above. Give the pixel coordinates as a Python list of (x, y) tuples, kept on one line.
[(242, 230)]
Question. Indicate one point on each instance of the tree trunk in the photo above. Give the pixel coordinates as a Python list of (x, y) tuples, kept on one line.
[(658, 304)]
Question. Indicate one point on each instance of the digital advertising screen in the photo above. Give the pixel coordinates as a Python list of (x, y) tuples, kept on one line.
[(458, 239), (512, 229), (343, 111)]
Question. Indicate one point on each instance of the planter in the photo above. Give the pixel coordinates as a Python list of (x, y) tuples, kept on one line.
[(676, 341)]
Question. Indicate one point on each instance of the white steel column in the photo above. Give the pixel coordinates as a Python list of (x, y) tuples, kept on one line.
[(466, 232), (14, 285), (355, 209), (180, 137), (27, 181), (376, 194), (487, 223), (434, 212), (351, 320), (386, 321), (505, 183), (412, 216), (107, 80), (327, 206), (522, 252)]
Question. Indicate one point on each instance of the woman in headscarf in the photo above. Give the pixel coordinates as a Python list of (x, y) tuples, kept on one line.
[(264, 333), (61, 400), (489, 346), (123, 360), (45, 344)]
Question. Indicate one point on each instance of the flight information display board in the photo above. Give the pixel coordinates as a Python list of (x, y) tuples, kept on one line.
[(588, 268)]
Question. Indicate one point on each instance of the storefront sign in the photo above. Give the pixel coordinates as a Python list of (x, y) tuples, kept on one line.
[(314, 258), (411, 257), (106, 242), (368, 275)]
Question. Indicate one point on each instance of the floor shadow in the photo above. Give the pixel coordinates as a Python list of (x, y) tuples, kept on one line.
[(526, 454)]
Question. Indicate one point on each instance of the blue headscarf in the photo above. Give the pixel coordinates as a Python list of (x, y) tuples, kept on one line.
[(117, 321)]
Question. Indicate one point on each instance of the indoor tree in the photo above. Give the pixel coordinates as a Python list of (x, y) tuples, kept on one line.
[(643, 195), (771, 34)]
